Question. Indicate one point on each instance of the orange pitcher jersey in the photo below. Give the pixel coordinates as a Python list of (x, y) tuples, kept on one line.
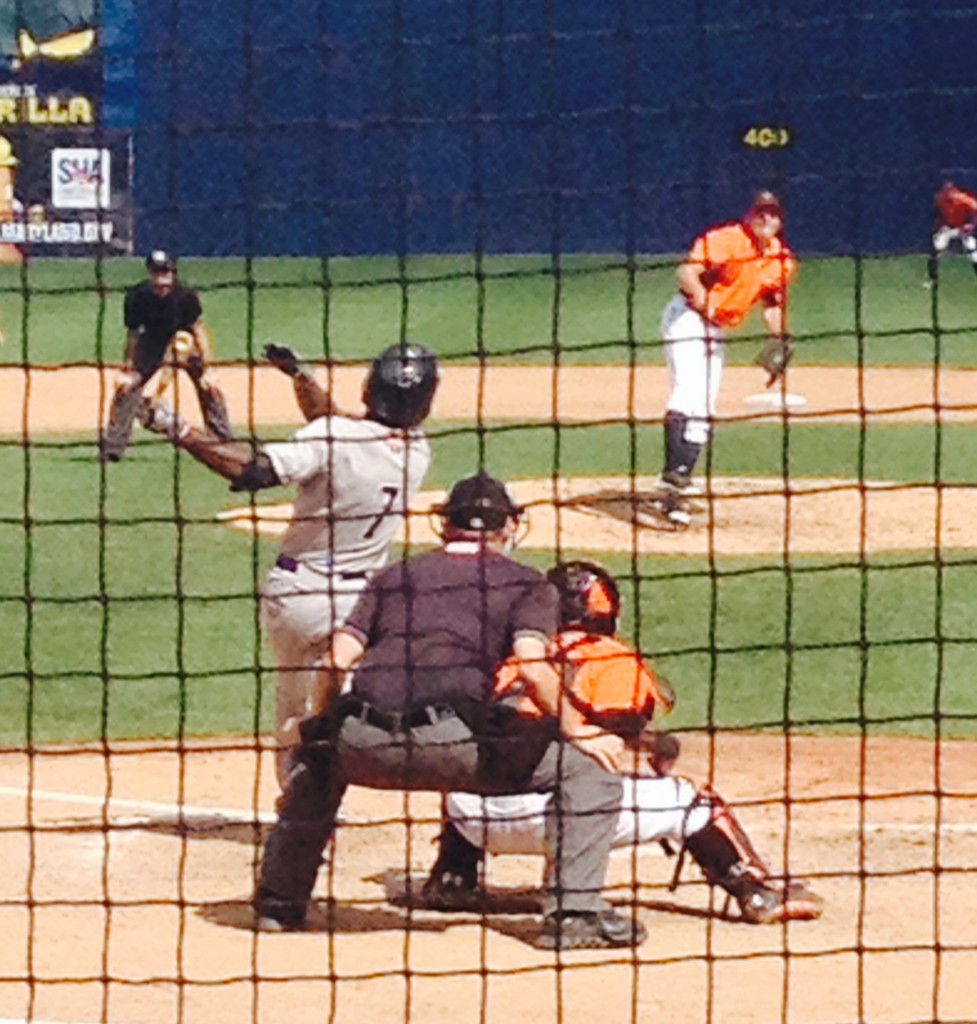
[(737, 274), (955, 206), (603, 675)]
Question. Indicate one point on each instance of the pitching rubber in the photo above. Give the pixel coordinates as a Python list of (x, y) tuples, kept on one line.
[(775, 400)]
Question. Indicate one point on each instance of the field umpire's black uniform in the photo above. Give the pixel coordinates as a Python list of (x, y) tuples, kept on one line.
[(156, 318), (433, 630), (157, 312)]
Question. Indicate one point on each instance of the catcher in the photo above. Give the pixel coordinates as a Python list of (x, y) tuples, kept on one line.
[(614, 691), (729, 270), (955, 212), (164, 332)]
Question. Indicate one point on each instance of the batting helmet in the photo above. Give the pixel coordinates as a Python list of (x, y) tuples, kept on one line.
[(479, 503), (161, 262), (589, 597), (400, 386)]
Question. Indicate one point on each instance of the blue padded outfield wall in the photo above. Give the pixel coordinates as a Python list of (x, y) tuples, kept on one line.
[(407, 126)]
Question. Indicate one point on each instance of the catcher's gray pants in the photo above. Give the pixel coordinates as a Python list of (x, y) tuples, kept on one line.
[(441, 755), (300, 607)]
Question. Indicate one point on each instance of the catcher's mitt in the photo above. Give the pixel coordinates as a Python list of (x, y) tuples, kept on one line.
[(775, 356), (661, 748)]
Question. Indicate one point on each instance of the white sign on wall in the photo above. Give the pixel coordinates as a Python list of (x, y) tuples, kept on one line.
[(81, 178)]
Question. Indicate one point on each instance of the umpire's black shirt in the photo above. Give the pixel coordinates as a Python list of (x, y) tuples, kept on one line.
[(158, 317), (438, 625)]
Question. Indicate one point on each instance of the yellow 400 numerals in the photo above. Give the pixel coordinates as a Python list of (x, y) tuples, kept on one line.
[(767, 137)]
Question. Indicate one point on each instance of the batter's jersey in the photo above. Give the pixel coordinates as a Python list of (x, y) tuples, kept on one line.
[(158, 317), (955, 206), (737, 273), (356, 480)]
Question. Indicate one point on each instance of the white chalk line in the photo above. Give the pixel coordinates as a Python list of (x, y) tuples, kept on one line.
[(161, 812), (148, 810), (34, 1020)]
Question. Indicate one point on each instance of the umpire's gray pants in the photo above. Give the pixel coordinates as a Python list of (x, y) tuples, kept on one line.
[(443, 756)]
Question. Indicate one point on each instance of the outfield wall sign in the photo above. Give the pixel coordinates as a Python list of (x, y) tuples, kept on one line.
[(65, 177)]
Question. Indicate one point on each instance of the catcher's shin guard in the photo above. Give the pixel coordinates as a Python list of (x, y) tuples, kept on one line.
[(126, 405), (214, 410), (728, 859)]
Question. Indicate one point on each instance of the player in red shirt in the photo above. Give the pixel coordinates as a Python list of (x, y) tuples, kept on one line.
[(955, 219)]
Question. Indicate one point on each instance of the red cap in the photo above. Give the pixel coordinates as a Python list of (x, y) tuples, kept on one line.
[(766, 201)]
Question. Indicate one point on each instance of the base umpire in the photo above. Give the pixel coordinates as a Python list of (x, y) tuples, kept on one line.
[(164, 323)]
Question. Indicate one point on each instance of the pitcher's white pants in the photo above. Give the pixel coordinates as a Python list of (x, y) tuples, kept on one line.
[(694, 353)]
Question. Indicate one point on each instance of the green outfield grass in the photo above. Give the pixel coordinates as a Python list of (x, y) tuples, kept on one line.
[(127, 611), (590, 308)]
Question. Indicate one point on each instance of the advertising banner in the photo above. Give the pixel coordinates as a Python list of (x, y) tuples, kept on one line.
[(65, 177)]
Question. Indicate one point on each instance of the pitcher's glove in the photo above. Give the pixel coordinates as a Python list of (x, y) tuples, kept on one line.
[(285, 358), (775, 356)]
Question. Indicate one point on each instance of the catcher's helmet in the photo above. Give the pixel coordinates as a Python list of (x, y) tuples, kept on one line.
[(589, 597), (160, 262), (479, 503), (400, 386)]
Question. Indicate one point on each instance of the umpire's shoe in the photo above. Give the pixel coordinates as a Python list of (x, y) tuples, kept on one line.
[(108, 454), (274, 915), (604, 929)]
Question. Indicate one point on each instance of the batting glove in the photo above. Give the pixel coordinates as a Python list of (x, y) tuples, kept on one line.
[(285, 358)]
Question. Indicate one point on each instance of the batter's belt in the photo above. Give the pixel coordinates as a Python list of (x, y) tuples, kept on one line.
[(290, 564)]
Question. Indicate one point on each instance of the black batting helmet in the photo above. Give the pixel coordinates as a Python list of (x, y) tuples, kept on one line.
[(160, 262), (479, 503), (400, 386), (589, 597)]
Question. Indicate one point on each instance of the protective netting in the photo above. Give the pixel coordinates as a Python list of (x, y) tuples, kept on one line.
[(514, 187)]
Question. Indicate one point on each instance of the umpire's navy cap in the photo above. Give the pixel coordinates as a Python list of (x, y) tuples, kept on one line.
[(160, 261), (479, 502)]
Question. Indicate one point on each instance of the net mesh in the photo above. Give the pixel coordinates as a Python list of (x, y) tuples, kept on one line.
[(813, 613)]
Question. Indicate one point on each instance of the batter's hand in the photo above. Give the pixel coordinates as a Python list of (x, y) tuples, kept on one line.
[(285, 358)]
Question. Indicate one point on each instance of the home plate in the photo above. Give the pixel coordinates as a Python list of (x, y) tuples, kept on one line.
[(775, 400)]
